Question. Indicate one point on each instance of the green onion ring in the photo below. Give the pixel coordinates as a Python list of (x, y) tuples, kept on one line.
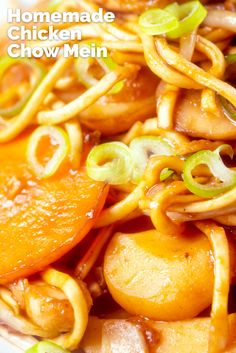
[(157, 21), (46, 347), (110, 162), (82, 67), (218, 169), (230, 58), (7, 62), (142, 148), (58, 135), (190, 15)]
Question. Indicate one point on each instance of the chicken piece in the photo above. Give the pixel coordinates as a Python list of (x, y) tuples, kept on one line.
[(192, 120), (45, 305)]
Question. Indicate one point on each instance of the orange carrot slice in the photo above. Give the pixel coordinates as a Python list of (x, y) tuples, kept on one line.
[(41, 220)]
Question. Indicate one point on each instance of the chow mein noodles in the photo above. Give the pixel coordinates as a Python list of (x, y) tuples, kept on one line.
[(118, 184)]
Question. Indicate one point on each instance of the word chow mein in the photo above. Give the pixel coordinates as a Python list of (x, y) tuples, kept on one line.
[(118, 184)]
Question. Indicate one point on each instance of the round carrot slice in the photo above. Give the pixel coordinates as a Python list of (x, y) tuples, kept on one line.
[(41, 220)]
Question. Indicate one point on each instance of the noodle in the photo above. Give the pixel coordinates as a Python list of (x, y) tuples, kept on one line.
[(217, 69), (158, 207), (76, 142), (121, 58), (121, 209), (209, 205), (76, 297), (15, 126), (187, 45), (161, 69), (85, 100), (123, 169), (130, 203), (219, 329), (149, 127), (217, 35), (165, 105), (192, 70)]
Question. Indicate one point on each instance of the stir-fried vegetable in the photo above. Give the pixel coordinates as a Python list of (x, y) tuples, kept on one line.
[(116, 163), (88, 80), (145, 146), (46, 347), (38, 73), (57, 315), (137, 266), (190, 15), (111, 162), (80, 301), (231, 58), (57, 137), (218, 169), (157, 21), (174, 20), (44, 218)]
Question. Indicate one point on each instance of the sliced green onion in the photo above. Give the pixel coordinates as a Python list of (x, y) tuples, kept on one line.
[(145, 146), (227, 149), (228, 109), (174, 20), (231, 58), (218, 169), (157, 21), (39, 72), (57, 136), (110, 162), (88, 80), (108, 64), (46, 347), (190, 15), (54, 4), (165, 174)]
